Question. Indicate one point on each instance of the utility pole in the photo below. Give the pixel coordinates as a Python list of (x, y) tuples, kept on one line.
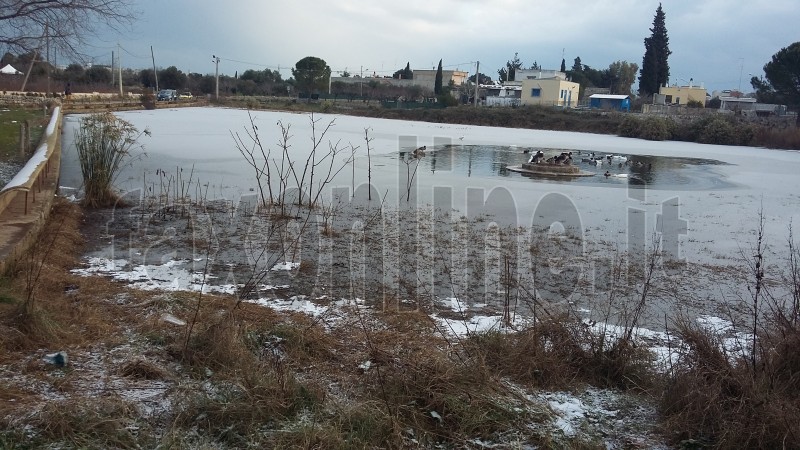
[(155, 74), (477, 80), (47, 49), (119, 63), (216, 74), (361, 84)]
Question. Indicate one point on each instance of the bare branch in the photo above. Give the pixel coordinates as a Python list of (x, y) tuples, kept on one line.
[(69, 23)]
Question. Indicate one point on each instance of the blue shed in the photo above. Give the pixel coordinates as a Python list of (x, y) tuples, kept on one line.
[(606, 101)]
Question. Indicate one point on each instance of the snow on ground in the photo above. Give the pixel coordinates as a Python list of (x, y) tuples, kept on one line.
[(453, 315), (471, 325), (615, 418), (287, 265), (7, 171), (170, 276), (318, 307)]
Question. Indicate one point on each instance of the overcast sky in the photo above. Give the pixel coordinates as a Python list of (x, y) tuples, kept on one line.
[(718, 43)]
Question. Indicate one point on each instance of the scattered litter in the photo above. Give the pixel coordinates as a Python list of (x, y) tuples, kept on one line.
[(436, 416), (58, 359), (169, 318)]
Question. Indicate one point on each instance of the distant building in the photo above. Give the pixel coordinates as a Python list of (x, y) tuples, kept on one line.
[(589, 91), (610, 102), (555, 91), (356, 80), (8, 69), (682, 95), (499, 95), (538, 74), (427, 78), (737, 103), (728, 93)]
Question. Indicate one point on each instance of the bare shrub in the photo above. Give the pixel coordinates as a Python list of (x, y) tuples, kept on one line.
[(656, 129), (629, 127), (719, 400), (748, 399), (778, 138), (718, 131)]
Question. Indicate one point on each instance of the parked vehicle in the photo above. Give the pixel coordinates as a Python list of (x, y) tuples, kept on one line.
[(168, 95), (186, 95)]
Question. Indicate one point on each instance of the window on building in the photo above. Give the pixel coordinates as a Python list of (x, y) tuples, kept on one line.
[(536, 92)]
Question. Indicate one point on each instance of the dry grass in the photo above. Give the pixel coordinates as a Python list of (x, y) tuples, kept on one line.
[(99, 423), (562, 352), (250, 376), (35, 282), (719, 400), (778, 138), (145, 370)]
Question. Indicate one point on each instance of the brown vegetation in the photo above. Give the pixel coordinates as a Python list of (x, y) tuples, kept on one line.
[(243, 375), (249, 376)]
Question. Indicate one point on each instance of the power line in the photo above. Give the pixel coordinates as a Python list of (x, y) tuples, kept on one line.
[(267, 66), (133, 55)]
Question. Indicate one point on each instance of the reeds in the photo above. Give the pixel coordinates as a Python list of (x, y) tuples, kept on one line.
[(104, 142)]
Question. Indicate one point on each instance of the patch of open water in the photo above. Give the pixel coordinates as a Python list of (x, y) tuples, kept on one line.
[(638, 171)]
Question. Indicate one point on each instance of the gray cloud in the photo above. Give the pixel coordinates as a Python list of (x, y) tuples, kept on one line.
[(714, 42)]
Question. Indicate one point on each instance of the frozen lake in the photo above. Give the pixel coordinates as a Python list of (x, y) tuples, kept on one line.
[(720, 202), (703, 199)]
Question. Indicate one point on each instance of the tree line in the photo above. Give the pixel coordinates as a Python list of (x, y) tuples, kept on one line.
[(66, 26), (101, 78)]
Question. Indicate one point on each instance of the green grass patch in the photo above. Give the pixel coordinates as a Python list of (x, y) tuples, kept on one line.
[(10, 129)]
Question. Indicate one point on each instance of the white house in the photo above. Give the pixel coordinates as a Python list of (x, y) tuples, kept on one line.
[(10, 70)]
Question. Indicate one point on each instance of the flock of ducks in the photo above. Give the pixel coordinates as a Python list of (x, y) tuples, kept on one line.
[(566, 158)]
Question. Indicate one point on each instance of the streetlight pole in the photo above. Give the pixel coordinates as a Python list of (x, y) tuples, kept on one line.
[(216, 75), (477, 80), (741, 69)]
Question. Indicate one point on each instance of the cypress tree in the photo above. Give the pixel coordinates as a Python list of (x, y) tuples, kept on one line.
[(437, 85), (655, 68)]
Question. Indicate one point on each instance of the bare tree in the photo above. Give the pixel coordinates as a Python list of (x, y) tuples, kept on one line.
[(66, 23)]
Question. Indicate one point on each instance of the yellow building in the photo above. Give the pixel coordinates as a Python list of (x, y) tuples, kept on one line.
[(550, 92), (427, 78), (681, 95)]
